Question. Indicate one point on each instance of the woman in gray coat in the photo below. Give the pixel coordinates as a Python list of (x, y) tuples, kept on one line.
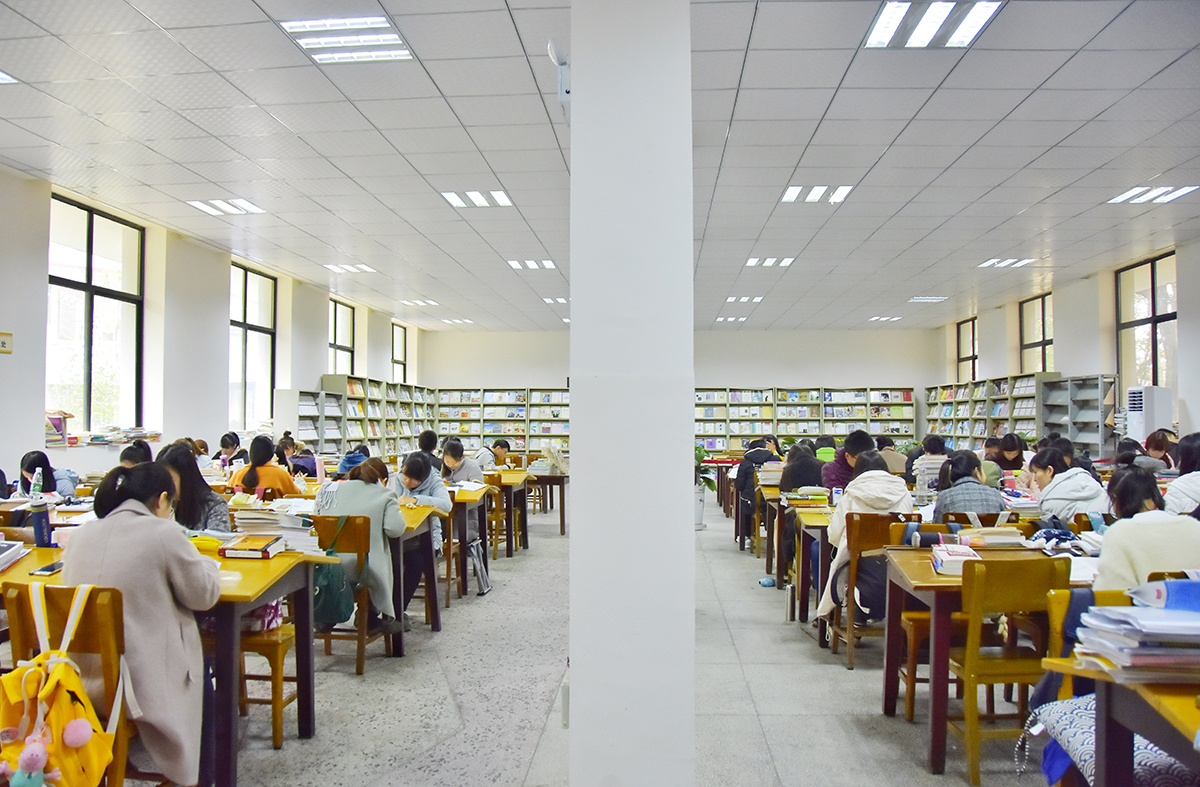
[(137, 547)]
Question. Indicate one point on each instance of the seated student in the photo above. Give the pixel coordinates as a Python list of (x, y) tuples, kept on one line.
[(1146, 538), (1067, 448), (61, 481), (455, 468), (136, 547), (1010, 454), (364, 492), (489, 458), (1183, 494), (1159, 447), (197, 506), (825, 448), (836, 474), (427, 443), (418, 485), (1140, 458), (231, 450), (993, 476), (304, 465), (203, 460), (990, 446), (354, 457), (262, 470), (1066, 491), (5, 489), (926, 468), (757, 454), (967, 491), (872, 490), (802, 468), (136, 453), (897, 463)]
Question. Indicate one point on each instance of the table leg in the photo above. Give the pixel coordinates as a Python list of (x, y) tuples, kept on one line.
[(523, 510), (508, 521), (460, 521), (397, 546), (562, 507), (893, 648), (1114, 741), (804, 574), (771, 523), (737, 523), (780, 565), (228, 641), (939, 670), (302, 619), (483, 534), (822, 579), (429, 568)]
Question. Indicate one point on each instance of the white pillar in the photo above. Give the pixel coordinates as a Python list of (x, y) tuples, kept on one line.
[(632, 540), (1187, 279)]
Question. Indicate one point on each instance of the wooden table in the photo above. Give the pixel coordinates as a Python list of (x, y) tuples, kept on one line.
[(513, 483), (548, 480), (416, 520), (813, 526), (245, 585), (462, 499), (910, 571), (1164, 714)]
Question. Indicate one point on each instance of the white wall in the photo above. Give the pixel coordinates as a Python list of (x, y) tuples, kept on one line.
[(308, 336), (1085, 326), (1187, 276), (24, 249), (378, 347), (474, 359), (998, 332)]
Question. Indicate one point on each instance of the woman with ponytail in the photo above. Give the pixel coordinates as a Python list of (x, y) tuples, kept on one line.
[(262, 470), (137, 548)]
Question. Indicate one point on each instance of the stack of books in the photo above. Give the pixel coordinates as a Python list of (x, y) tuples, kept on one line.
[(1001, 535), (808, 497), (1155, 642), (949, 558), (770, 474)]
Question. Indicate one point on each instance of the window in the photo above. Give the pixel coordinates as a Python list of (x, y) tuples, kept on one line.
[(968, 350), (251, 347), (341, 338), (399, 371), (1147, 336), (94, 323), (1037, 334)]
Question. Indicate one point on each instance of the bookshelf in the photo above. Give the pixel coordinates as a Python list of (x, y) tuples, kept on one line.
[(1082, 410), (966, 414), (505, 414), (751, 414), (549, 419), (460, 414), (798, 412)]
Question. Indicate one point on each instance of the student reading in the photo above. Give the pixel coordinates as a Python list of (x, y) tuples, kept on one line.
[(416, 484), (1183, 494), (1066, 491), (456, 468), (136, 547), (231, 450), (427, 442), (197, 506), (61, 481), (262, 472), (1146, 538), (966, 491), (488, 458)]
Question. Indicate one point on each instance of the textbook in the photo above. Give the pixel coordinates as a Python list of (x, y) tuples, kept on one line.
[(1176, 594), (260, 547), (949, 558)]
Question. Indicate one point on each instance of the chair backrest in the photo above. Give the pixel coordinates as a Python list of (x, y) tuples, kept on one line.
[(985, 520), (1057, 603), (897, 530), (101, 629), (868, 531), (355, 537), (1083, 522), (1159, 576), (22, 534), (1008, 586)]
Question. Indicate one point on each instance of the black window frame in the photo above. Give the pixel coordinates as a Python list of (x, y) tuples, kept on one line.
[(1154, 320), (91, 292), (247, 326), (1042, 343), (333, 345), (973, 356), (403, 359)]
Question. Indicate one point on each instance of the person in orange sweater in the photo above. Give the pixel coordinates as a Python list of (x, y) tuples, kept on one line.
[(262, 470)]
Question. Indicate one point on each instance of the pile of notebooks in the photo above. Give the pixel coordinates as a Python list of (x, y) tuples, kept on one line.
[(1157, 641), (770, 473)]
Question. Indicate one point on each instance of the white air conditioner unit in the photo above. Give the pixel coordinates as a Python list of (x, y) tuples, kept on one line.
[(1147, 407)]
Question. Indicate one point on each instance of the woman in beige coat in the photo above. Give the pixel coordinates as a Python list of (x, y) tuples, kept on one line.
[(138, 548)]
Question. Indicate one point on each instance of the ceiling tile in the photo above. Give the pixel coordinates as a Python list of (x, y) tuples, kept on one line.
[(172, 13), (775, 104), (982, 68), (494, 76), (294, 85), (1111, 69), (453, 36), (191, 91), (1163, 24), (777, 68), (46, 59), (144, 53), (827, 25), (717, 26), (1032, 24), (67, 17), (325, 116)]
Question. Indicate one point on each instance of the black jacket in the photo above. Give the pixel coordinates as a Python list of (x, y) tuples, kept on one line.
[(751, 461)]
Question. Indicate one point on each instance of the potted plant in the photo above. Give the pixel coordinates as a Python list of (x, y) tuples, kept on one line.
[(704, 480)]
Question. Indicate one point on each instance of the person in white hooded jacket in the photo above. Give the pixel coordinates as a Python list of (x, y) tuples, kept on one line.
[(1183, 494), (1066, 491), (872, 490)]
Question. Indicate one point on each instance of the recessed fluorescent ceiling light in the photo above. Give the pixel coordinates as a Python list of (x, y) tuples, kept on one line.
[(514, 264), (1151, 194), (561, 300), (370, 55), (419, 303), (329, 42), (791, 193), (225, 206), (407, 303), (989, 263), (334, 268), (453, 198), (566, 319), (720, 319), (1023, 262), (741, 319), (1006, 263), (531, 264), (5, 79), (770, 262), (927, 298), (757, 299), (1128, 194), (972, 23), (1177, 193), (839, 194), (815, 194), (365, 268), (548, 264), (927, 28), (548, 300), (744, 298), (478, 199), (787, 261), (468, 322), (501, 199), (750, 263), (447, 322), (457, 322), (730, 299), (431, 303), (349, 23), (247, 206), (885, 26), (209, 209)]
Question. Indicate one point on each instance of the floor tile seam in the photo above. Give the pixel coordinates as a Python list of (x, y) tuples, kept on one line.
[(542, 734)]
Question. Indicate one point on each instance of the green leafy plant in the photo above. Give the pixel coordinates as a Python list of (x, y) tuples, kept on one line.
[(704, 475)]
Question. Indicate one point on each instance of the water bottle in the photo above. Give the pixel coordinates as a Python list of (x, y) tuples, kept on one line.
[(35, 485), (837, 496), (39, 520)]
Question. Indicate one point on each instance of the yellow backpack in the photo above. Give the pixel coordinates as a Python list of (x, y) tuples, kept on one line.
[(50, 730)]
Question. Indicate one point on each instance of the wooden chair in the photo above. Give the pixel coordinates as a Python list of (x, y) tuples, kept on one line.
[(990, 587), (101, 632), (1160, 576), (1056, 612), (985, 520), (449, 546), (1083, 522), (864, 533), (355, 539), (495, 516), (22, 534), (273, 645)]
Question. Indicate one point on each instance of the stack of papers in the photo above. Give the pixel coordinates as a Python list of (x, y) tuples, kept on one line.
[(296, 533), (1141, 644), (11, 552), (949, 558), (468, 486), (1001, 535), (770, 474)]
